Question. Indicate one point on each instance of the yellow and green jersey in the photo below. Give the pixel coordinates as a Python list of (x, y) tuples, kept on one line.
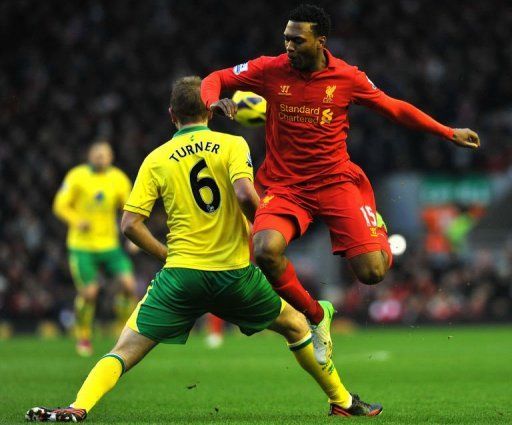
[(95, 197), (193, 173)]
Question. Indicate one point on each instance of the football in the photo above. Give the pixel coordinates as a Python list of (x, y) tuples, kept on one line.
[(251, 108)]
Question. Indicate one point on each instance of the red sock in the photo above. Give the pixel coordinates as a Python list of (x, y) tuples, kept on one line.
[(384, 244), (215, 324), (289, 287)]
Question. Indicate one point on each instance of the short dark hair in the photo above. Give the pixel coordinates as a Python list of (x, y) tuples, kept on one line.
[(186, 101), (314, 14)]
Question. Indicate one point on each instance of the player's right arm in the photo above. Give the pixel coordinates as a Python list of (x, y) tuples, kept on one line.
[(134, 228), (138, 207), (247, 76), (64, 203)]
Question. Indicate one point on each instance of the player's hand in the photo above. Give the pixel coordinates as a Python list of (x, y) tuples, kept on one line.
[(84, 226), (225, 107), (466, 138)]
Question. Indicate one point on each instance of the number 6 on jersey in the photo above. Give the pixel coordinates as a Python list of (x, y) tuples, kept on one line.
[(197, 184)]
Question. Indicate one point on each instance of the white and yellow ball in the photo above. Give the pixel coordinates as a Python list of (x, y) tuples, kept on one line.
[(251, 108)]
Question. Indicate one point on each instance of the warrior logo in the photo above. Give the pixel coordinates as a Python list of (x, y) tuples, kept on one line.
[(284, 90)]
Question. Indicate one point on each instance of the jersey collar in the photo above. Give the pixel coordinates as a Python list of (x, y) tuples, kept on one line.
[(189, 130), (94, 171), (330, 59)]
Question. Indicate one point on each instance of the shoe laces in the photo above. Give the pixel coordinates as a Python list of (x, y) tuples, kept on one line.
[(318, 334), (356, 401)]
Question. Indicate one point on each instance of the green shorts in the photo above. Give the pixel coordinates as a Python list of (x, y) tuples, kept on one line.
[(84, 265), (176, 297)]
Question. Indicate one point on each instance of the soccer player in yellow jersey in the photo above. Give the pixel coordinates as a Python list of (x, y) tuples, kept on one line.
[(88, 202), (205, 181)]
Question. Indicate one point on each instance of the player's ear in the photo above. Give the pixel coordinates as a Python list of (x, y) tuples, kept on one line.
[(321, 41), (172, 115)]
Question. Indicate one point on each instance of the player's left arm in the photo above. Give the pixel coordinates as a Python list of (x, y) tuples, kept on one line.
[(134, 228), (365, 93)]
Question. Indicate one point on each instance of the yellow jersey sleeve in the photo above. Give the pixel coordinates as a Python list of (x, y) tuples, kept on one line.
[(65, 199), (240, 162), (124, 186), (145, 191)]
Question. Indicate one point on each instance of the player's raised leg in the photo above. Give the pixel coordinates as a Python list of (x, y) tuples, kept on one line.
[(357, 230), (128, 351), (373, 260), (371, 267), (292, 325), (269, 247)]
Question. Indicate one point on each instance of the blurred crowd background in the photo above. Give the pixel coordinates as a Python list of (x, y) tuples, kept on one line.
[(73, 71)]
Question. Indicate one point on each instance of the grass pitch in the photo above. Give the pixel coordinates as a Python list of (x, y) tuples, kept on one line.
[(450, 375)]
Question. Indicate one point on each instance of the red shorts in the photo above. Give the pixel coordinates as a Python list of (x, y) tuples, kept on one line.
[(345, 202)]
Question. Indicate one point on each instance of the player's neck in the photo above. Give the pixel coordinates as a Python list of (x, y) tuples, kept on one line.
[(319, 63), (98, 170), (180, 126)]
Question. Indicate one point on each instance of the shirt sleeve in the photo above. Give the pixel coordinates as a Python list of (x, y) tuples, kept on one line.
[(240, 162), (365, 93), (145, 191), (124, 187), (63, 206), (249, 76)]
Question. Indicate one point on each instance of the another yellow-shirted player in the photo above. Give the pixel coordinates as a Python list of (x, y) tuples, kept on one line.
[(205, 181), (89, 201)]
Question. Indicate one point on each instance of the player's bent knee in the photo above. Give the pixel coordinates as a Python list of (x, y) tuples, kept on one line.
[(372, 275), (291, 324), (370, 268), (267, 256), (269, 246)]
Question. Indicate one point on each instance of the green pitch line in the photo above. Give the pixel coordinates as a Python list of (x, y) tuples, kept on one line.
[(451, 375)]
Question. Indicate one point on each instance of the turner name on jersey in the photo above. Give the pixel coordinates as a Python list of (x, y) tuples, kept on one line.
[(193, 149)]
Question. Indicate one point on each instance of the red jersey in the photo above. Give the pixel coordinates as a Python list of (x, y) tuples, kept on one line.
[(307, 122)]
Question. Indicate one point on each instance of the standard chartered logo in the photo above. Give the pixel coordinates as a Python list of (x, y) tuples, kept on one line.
[(326, 116), (305, 114)]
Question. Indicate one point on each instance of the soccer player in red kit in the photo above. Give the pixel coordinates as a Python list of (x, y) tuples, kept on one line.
[(307, 171)]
